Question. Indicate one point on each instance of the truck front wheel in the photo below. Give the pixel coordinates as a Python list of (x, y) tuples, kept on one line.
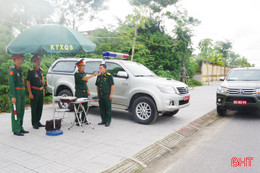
[(221, 111), (144, 110), (65, 93)]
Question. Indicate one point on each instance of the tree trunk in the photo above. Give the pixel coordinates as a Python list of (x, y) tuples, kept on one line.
[(225, 67), (133, 46), (208, 71), (183, 69)]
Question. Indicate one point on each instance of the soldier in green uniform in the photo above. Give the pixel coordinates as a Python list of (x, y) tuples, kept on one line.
[(17, 95), (81, 86), (35, 87), (105, 88)]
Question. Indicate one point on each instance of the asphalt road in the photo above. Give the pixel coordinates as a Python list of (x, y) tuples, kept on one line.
[(212, 149)]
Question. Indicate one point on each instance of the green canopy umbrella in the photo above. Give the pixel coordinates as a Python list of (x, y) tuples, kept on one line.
[(50, 38)]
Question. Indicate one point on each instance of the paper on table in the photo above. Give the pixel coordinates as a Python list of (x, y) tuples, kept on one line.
[(81, 99)]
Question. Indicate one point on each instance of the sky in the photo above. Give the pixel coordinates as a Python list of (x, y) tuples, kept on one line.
[(233, 20)]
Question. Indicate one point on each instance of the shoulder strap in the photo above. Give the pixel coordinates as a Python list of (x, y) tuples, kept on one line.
[(38, 78)]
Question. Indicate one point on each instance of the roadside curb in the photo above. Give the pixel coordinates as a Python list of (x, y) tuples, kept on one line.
[(140, 160)]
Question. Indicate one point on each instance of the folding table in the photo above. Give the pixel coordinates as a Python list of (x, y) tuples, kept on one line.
[(81, 109)]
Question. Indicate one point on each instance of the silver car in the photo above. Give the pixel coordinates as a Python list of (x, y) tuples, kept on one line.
[(137, 89)]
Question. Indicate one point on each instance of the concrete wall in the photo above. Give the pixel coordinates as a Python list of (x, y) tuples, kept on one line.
[(210, 72)]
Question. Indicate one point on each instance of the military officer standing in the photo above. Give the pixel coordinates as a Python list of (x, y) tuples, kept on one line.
[(17, 95), (105, 88), (35, 87), (81, 86)]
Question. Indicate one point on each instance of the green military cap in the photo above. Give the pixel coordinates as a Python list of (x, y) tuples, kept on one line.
[(35, 57), (17, 56), (80, 62)]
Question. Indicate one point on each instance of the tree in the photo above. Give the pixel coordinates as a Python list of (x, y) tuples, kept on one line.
[(233, 61), (218, 54), (25, 12), (206, 52), (206, 49), (113, 41), (224, 48), (132, 23), (157, 9), (218, 59), (156, 6), (74, 12), (183, 34), (179, 55), (15, 16), (182, 47), (244, 63)]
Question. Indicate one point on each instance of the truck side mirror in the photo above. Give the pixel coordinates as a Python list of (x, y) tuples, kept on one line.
[(122, 74), (222, 78)]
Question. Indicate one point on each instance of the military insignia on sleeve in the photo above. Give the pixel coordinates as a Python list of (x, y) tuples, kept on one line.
[(11, 73)]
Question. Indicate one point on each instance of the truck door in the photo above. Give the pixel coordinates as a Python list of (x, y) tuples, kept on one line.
[(121, 87), (90, 68)]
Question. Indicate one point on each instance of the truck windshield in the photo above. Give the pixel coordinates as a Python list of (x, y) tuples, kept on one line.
[(244, 75), (138, 70)]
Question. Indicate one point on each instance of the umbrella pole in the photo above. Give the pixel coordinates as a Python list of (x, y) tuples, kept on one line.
[(53, 108), (54, 132)]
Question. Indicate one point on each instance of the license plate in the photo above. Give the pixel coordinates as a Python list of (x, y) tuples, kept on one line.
[(186, 98), (239, 102)]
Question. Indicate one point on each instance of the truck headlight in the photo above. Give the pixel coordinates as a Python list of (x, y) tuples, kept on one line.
[(187, 89), (258, 91), (222, 90), (166, 89)]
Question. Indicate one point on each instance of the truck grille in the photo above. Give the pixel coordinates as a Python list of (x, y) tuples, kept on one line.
[(242, 91), (183, 90)]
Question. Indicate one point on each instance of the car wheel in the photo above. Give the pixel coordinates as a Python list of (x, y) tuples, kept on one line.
[(65, 93), (221, 111), (169, 114), (144, 110)]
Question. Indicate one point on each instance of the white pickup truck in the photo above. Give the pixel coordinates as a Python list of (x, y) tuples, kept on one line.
[(137, 89)]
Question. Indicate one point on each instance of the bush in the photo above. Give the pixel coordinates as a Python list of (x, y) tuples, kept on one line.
[(5, 105), (47, 99), (194, 83)]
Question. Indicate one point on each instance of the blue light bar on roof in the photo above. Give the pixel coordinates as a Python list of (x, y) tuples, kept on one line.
[(115, 55)]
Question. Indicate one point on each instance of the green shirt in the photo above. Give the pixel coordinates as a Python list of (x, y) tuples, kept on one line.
[(15, 79), (79, 83), (104, 83), (35, 77)]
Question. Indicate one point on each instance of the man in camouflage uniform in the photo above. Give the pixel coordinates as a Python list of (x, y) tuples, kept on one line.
[(105, 88), (81, 86), (35, 87), (17, 95)]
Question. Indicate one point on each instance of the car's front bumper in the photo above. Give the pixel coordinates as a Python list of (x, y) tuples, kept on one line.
[(231, 101), (174, 102)]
